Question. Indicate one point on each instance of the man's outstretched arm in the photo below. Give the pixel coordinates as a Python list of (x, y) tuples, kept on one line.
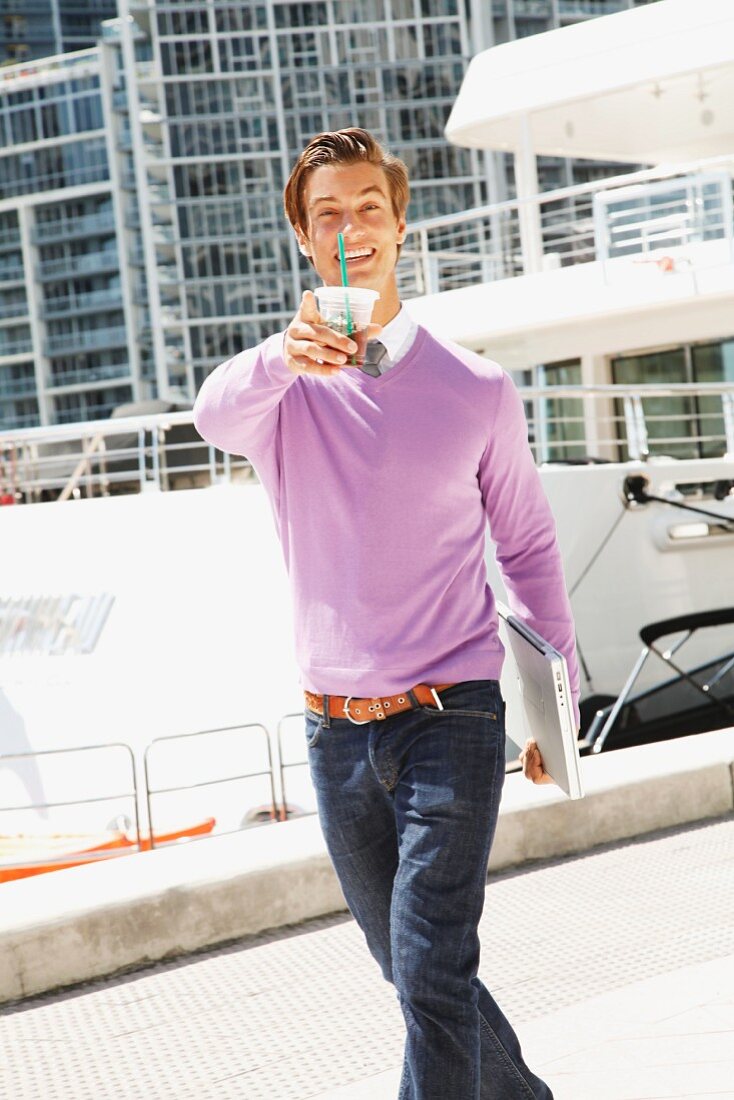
[(237, 408)]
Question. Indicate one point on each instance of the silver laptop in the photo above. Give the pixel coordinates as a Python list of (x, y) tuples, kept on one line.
[(545, 705)]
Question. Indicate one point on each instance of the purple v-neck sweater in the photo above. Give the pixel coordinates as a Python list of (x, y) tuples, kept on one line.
[(381, 489)]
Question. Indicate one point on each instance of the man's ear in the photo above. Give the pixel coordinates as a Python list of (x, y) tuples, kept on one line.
[(402, 230), (303, 245)]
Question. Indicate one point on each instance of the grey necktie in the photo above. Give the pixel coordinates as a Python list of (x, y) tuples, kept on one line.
[(374, 356)]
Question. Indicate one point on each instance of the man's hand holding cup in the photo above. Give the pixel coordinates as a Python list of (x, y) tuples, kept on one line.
[(310, 346)]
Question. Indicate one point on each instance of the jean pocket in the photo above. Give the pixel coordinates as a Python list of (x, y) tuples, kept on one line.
[(472, 699), (496, 716), (314, 726)]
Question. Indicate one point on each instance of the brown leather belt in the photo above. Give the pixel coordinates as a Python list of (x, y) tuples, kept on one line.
[(361, 711)]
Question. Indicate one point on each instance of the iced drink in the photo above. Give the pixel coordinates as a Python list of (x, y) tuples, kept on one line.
[(338, 305)]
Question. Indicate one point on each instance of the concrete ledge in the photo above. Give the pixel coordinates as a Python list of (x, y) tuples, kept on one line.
[(86, 922), (628, 793)]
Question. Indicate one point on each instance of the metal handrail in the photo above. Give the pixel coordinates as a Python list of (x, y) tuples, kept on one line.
[(283, 809), (126, 424), (133, 795), (139, 452), (542, 198), (496, 250), (152, 791)]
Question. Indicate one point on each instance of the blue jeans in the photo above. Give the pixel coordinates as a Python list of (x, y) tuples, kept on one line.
[(408, 807)]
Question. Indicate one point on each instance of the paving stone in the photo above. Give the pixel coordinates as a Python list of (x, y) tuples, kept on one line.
[(304, 1013)]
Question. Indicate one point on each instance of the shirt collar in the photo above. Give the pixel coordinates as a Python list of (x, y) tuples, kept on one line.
[(396, 332)]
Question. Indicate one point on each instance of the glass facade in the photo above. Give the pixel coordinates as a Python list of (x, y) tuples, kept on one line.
[(240, 90), (31, 29), (149, 241), (63, 332)]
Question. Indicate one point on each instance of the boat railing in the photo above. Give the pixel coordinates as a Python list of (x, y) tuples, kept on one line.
[(180, 743), (286, 762), (618, 423), (126, 455), (641, 215), (129, 795), (124, 835)]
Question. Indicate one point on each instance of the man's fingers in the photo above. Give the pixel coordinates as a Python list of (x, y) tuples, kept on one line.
[(311, 351), (322, 335), (312, 347), (532, 763), (309, 310)]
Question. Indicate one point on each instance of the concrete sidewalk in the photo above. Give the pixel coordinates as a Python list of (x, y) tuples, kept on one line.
[(666, 1038), (616, 968), (86, 922)]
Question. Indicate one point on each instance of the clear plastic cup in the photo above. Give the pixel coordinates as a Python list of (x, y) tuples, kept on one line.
[(332, 303)]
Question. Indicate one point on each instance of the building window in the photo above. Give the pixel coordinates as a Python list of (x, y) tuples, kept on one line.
[(685, 426), (559, 425)]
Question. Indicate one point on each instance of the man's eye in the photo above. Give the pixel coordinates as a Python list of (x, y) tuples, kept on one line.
[(327, 213)]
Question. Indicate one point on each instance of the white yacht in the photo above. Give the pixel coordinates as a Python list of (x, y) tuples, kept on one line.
[(614, 301), (144, 597)]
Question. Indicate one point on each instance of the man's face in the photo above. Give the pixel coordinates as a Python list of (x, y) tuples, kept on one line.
[(353, 199)]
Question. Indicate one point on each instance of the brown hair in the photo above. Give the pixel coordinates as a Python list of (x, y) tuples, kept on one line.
[(343, 147)]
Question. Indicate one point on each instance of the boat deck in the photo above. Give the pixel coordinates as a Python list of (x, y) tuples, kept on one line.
[(634, 1002)]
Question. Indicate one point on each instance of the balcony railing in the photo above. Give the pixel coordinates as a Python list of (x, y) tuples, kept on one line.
[(10, 237), (633, 214), (18, 423), (14, 309), (164, 234), (88, 263), (582, 8), (85, 226), (112, 373), (12, 273), (154, 149), (85, 341), (533, 9), (159, 194), (62, 177), (96, 299), (71, 416), (16, 347), (17, 387), (567, 423)]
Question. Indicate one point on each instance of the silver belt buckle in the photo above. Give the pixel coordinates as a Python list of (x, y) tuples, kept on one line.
[(355, 721)]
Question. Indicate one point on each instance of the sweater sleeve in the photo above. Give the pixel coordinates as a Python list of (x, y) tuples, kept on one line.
[(523, 528), (237, 406)]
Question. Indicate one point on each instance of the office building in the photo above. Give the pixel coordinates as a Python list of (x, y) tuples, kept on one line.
[(142, 236)]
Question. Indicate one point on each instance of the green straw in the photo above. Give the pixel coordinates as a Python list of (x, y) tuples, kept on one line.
[(345, 281)]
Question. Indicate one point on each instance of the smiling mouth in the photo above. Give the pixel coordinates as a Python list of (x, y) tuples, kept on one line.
[(354, 255)]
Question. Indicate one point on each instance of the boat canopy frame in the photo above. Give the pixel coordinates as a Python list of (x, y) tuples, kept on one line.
[(687, 625)]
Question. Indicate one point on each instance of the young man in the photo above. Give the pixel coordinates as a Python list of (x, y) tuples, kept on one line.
[(382, 480)]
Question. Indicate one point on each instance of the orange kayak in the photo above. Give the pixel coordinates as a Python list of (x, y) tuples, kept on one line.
[(25, 855)]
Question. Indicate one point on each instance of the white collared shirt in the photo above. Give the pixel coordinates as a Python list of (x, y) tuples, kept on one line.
[(398, 336)]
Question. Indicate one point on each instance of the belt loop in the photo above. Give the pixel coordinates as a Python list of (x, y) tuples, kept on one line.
[(327, 717), (413, 697)]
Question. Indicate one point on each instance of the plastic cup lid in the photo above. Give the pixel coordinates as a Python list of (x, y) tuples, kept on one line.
[(357, 294)]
